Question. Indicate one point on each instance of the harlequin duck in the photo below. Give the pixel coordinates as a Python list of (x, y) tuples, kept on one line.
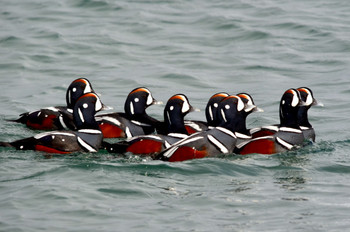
[(213, 142), (58, 117), (87, 138), (174, 129), (241, 131), (210, 114), (278, 138), (303, 121), (134, 121)]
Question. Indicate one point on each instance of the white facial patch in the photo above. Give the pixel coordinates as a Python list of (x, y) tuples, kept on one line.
[(185, 106), (74, 90), (216, 105), (149, 99), (98, 104), (85, 105), (136, 99), (309, 98), (295, 100), (227, 107), (240, 104), (87, 88), (171, 108)]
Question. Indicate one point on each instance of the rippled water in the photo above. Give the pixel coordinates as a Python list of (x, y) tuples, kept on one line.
[(193, 47)]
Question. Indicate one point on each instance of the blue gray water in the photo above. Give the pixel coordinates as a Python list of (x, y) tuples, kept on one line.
[(195, 47)]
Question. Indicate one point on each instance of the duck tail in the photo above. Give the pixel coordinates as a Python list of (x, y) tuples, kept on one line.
[(5, 144), (22, 119)]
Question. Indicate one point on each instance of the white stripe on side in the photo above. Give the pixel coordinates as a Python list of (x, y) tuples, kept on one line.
[(284, 143), (226, 131), (52, 109), (85, 145), (109, 119), (218, 144), (90, 131), (128, 133), (178, 135), (288, 129), (62, 122), (170, 152)]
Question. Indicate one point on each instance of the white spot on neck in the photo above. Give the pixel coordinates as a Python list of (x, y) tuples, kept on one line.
[(81, 115), (211, 112), (132, 108), (223, 115)]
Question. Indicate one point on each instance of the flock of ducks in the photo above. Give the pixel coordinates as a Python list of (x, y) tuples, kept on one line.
[(76, 127)]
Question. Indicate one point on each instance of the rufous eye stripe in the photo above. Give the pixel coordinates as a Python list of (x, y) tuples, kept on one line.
[(80, 80), (290, 91), (243, 96), (178, 97), (140, 90), (220, 95), (88, 95), (303, 90)]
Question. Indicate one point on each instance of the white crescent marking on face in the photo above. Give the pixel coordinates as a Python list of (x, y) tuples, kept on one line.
[(98, 104), (240, 104), (87, 88), (295, 100), (149, 99), (185, 106), (309, 98)]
